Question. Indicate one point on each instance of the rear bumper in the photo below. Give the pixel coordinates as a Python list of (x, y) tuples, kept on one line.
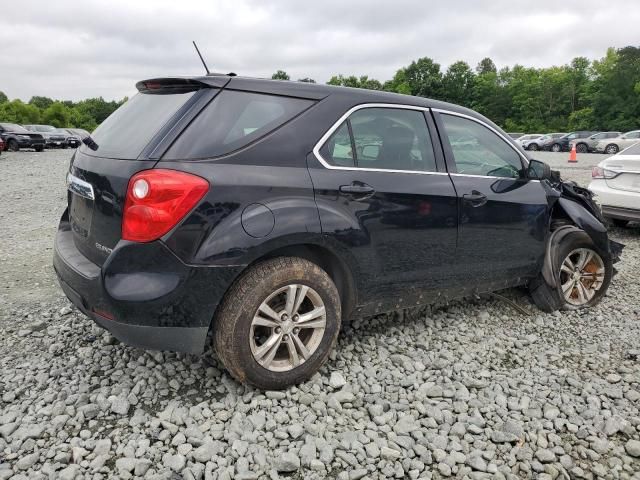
[(613, 198), (143, 294)]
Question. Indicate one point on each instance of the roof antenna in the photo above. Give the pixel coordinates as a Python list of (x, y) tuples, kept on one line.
[(201, 59)]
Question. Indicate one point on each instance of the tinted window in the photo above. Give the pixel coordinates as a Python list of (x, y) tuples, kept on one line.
[(12, 127), (633, 135), (126, 132), (233, 120), (613, 134), (337, 150), (478, 150), (392, 139)]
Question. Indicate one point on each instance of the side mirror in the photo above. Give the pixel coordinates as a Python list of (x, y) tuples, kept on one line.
[(538, 170)]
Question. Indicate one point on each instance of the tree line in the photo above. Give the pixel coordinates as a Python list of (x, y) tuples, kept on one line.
[(602, 94), (584, 94), (87, 114)]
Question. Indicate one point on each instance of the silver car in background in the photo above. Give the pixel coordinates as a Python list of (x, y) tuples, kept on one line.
[(536, 144), (616, 183), (525, 139), (584, 145), (614, 145)]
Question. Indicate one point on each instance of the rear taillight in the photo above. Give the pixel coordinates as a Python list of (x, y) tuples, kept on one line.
[(603, 173), (157, 200)]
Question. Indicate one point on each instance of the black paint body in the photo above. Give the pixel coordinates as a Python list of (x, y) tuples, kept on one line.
[(414, 239)]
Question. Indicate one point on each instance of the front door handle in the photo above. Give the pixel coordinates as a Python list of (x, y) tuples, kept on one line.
[(475, 198), (357, 189)]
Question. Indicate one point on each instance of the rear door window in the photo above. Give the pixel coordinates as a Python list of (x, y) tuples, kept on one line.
[(233, 120), (382, 139), (125, 133)]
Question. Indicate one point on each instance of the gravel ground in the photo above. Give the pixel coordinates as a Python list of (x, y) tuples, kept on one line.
[(471, 389)]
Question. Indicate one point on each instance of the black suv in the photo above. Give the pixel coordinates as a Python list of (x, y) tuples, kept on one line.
[(268, 211), (16, 137), (562, 144)]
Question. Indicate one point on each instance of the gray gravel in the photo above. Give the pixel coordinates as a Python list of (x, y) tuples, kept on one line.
[(472, 389)]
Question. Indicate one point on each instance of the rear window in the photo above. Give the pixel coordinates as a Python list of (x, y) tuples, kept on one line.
[(126, 132), (233, 120)]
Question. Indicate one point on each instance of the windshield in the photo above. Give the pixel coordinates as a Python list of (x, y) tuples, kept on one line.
[(12, 127), (44, 128), (125, 133)]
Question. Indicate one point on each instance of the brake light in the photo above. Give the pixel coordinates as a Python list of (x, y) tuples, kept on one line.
[(602, 173), (157, 200)]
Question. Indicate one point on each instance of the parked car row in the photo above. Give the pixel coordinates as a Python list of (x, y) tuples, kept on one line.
[(585, 141), (15, 137)]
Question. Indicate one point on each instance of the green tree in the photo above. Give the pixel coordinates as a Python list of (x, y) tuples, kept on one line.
[(424, 78), (57, 114), (458, 83), (16, 111), (3, 97), (41, 102), (486, 65), (280, 75)]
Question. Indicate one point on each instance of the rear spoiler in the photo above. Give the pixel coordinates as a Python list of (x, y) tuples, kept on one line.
[(170, 85)]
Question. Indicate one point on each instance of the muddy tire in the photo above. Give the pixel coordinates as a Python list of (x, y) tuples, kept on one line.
[(278, 323), (584, 276)]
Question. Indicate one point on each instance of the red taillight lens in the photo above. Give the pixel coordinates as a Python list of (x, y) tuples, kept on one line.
[(597, 172), (157, 200)]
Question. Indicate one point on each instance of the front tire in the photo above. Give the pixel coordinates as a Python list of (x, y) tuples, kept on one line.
[(533, 147), (38, 148), (278, 323), (583, 276), (12, 145), (611, 149)]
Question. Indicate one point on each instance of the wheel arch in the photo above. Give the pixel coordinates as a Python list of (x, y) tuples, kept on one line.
[(327, 259)]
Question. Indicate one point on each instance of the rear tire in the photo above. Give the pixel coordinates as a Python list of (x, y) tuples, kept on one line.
[(533, 147), (38, 148), (12, 145), (591, 281), (253, 316), (556, 147)]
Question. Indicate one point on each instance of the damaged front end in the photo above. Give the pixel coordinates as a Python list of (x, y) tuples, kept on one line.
[(573, 209)]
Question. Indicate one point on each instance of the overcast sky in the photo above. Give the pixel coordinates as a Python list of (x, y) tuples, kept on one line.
[(85, 48)]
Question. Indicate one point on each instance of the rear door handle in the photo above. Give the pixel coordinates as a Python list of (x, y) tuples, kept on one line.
[(475, 198), (357, 189)]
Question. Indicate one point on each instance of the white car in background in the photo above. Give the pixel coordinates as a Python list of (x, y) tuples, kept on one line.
[(616, 183), (525, 139)]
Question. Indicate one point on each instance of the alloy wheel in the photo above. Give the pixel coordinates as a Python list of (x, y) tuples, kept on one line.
[(287, 328), (581, 276), (555, 147), (611, 149), (581, 148)]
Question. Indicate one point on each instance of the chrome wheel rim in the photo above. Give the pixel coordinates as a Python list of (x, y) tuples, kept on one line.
[(611, 149), (581, 276), (287, 328), (556, 148)]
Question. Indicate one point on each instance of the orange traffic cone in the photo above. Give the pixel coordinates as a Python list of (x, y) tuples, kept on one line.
[(572, 155)]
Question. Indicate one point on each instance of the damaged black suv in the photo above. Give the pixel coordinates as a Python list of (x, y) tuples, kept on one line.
[(268, 211)]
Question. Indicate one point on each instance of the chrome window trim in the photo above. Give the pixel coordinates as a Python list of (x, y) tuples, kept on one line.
[(80, 187), (336, 125), (486, 125)]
